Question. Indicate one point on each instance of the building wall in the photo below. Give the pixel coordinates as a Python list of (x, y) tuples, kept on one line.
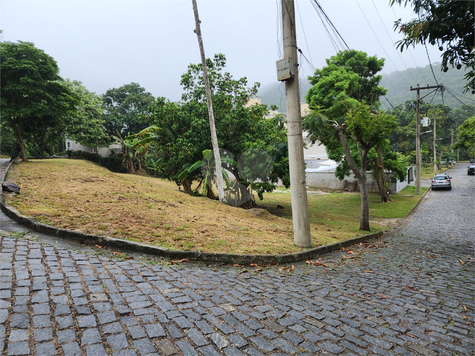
[(328, 180), (102, 151)]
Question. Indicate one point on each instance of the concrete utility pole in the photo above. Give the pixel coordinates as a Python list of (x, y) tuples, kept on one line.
[(214, 138), (298, 188), (418, 135), (435, 144)]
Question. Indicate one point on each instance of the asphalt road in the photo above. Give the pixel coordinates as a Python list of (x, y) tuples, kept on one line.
[(411, 292)]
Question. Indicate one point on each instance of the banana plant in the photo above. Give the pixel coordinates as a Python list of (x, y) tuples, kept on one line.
[(128, 152), (207, 173)]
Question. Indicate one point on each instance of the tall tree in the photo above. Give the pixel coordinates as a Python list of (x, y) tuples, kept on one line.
[(466, 136), (349, 78), (33, 96), (125, 109), (366, 128), (86, 125), (244, 134), (447, 24)]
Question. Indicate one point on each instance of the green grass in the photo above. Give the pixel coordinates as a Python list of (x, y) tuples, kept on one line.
[(341, 211)]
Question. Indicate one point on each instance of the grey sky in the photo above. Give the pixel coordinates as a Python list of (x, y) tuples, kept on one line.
[(109, 43)]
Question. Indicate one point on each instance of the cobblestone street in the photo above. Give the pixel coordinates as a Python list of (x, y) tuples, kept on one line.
[(411, 292)]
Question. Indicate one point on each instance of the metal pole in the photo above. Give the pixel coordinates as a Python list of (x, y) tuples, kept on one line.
[(298, 189)]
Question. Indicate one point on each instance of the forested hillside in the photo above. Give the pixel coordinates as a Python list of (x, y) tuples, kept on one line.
[(398, 85)]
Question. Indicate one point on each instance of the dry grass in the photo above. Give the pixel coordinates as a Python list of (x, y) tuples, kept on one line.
[(80, 195)]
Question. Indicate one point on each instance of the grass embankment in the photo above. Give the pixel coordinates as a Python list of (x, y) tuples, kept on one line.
[(428, 173), (79, 195)]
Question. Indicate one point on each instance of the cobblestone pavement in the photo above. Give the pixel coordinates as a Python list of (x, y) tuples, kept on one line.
[(409, 293)]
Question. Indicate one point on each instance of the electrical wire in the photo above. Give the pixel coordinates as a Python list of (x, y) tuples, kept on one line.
[(377, 38), (339, 38), (430, 64), (392, 41), (456, 98), (410, 53), (279, 30), (303, 30), (319, 8)]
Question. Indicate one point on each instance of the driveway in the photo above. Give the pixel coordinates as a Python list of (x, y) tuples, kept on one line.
[(409, 293)]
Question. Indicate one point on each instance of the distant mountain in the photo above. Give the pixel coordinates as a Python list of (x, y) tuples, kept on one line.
[(398, 85)]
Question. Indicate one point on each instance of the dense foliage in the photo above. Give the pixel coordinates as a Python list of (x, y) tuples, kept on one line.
[(403, 137), (245, 136), (448, 24), (86, 124), (349, 80), (34, 98), (125, 109)]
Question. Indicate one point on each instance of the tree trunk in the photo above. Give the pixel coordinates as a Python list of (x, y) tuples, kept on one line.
[(187, 187), (209, 103), (246, 198), (41, 145), (380, 178), (364, 221), (360, 175), (19, 139)]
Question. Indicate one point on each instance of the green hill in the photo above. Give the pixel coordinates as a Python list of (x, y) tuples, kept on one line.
[(398, 85)]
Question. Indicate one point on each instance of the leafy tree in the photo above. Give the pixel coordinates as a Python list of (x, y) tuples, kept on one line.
[(86, 125), (349, 78), (8, 141), (349, 75), (367, 128), (125, 109), (240, 130), (403, 137), (466, 136), (34, 98), (447, 24)]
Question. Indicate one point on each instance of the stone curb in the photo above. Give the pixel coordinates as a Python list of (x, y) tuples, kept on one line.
[(111, 242)]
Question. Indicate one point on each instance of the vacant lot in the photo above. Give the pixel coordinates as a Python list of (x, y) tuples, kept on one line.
[(80, 195)]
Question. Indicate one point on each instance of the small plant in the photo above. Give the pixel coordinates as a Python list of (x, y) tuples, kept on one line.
[(187, 245)]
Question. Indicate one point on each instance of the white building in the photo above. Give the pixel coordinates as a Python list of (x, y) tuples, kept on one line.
[(102, 151)]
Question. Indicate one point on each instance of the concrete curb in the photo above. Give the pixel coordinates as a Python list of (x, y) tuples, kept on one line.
[(115, 243)]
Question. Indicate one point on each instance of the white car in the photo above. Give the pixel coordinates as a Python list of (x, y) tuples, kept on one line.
[(441, 181)]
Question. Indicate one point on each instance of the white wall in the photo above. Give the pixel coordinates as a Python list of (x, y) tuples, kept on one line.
[(328, 180)]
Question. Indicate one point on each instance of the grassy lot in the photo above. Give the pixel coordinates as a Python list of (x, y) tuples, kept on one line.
[(80, 195), (428, 173)]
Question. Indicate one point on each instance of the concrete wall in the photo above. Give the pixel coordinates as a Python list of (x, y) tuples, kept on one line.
[(102, 151), (328, 180)]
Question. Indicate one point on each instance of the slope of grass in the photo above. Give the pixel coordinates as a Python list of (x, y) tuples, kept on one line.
[(80, 195)]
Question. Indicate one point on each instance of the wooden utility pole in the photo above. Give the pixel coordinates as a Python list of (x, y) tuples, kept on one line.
[(418, 135), (214, 138), (298, 188)]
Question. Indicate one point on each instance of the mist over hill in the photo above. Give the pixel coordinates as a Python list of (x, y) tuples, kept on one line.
[(398, 85)]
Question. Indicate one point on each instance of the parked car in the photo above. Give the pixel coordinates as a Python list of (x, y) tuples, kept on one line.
[(441, 181), (471, 170)]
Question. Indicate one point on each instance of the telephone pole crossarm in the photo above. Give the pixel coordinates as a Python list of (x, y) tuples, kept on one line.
[(418, 133)]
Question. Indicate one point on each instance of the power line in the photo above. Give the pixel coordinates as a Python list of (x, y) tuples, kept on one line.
[(392, 41), (456, 98), (303, 30), (374, 33), (318, 8), (410, 52)]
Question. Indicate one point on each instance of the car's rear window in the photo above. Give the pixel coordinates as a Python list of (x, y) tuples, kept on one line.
[(440, 178)]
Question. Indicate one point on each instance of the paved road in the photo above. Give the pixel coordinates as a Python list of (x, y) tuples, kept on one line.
[(410, 293)]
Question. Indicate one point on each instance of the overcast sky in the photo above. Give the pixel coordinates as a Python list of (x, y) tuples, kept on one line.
[(108, 43)]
